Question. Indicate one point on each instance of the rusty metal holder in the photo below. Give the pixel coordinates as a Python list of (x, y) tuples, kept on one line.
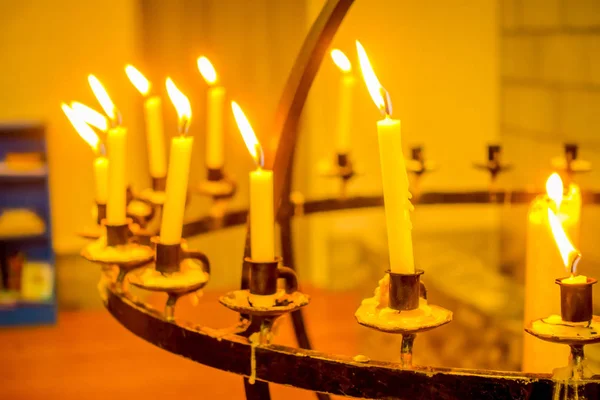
[(576, 304), (217, 185), (341, 168), (168, 260), (494, 163)]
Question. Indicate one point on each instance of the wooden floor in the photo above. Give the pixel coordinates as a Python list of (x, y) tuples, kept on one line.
[(88, 355)]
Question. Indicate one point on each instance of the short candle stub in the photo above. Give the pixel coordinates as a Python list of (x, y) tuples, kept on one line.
[(405, 290), (576, 300), (117, 235), (571, 151), (159, 184), (100, 212), (215, 175)]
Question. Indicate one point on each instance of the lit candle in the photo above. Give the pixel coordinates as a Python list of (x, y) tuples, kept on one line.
[(116, 142), (91, 138), (542, 298), (179, 168), (262, 221), (155, 138), (215, 97), (346, 90), (393, 173)]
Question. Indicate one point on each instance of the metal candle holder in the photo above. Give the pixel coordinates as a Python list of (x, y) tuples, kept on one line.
[(342, 168), (159, 184), (494, 163), (220, 188), (170, 259), (576, 300), (405, 292)]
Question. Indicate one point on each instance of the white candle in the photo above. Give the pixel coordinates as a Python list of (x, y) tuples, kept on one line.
[(176, 190), (346, 89), (396, 196), (117, 182), (155, 138), (262, 218), (101, 179), (179, 168), (215, 98), (393, 174)]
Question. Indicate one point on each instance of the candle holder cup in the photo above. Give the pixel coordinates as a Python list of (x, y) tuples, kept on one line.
[(342, 168), (407, 295), (176, 271), (159, 184), (576, 304), (494, 164)]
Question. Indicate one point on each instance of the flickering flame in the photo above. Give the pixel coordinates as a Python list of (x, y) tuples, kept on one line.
[(83, 129), (570, 255), (248, 134), (103, 97), (182, 105), (554, 188), (207, 70), (378, 93), (340, 59), (90, 116), (138, 79)]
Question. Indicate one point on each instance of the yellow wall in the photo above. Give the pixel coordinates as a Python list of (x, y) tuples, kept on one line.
[(48, 47)]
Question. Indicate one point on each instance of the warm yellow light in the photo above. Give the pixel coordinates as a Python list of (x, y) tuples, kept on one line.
[(568, 252), (138, 79), (103, 97), (554, 188), (90, 116), (375, 89), (340, 59), (182, 105), (247, 133), (83, 129), (207, 70)]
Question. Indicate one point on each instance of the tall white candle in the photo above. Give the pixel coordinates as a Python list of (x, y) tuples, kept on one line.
[(262, 218), (215, 97), (346, 90), (176, 190), (393, 174), (155, 137), (117, 182), (101, 179), (179, 168)]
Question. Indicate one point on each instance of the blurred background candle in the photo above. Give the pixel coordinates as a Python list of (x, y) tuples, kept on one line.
[(393, 174), (215, 96), (179, 168), (116, 142), (262, 220), (344, 115), (544, 265), (91, 138), (155, 138)]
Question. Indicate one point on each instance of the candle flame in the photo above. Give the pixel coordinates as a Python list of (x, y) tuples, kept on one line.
[(380, 96), (138, 79), (248, 134), (90, 116), (207, 70), (82, 128), (340, 59), (569, 254), (554, 188), (182, 105), (103, 98)]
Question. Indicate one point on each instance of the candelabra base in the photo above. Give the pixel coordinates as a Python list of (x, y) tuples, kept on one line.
[(243, 302), (553, 329)]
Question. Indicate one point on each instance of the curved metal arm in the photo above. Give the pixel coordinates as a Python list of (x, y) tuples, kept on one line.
[(291, 280)]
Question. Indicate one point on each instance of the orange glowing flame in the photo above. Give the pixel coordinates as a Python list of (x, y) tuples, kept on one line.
[(248, 134), (340, 59), (207, 70), (103, 98), (138, 79), (570, 255), (83, 129), (554, 188), (182, 105), (90, 116), (378, 93)]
